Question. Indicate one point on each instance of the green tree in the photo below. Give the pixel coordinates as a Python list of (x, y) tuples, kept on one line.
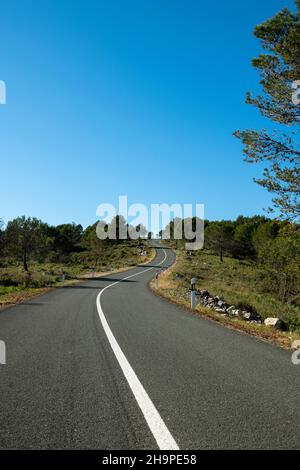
[(265, 233), (93, 245), (279, 150), (280, 258), (67, 238), (219, 236), (25, 238), (243, 246), (245, 227)]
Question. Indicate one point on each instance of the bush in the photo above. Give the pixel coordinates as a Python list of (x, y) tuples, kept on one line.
[(293, 323), (8, 280), (280, 260), (9, 289)]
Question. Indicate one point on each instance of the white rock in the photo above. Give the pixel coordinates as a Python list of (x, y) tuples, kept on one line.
[(246, 315), (271, 321), (235, 312), (231, 308)]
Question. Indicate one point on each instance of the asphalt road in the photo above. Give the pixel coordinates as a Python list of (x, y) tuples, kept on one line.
[(126, 370)]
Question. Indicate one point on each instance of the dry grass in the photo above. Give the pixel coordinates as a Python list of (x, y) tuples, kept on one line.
[(14, 298), (175, 291), (13, 295)]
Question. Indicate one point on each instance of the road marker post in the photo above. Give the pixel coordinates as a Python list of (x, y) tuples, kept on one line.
[(193, 293), (156, 280), (63, 279), (2, 352)]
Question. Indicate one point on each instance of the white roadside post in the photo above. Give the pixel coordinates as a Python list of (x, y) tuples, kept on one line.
[(193, 293), (63, 279), (156, 280), (2, 352)]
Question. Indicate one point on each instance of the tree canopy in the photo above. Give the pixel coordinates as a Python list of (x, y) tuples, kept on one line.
[(279, 148)]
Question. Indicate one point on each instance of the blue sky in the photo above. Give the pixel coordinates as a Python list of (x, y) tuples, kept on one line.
[(135, 97)]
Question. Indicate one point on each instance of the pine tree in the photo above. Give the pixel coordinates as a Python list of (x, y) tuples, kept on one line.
[(279, 70)]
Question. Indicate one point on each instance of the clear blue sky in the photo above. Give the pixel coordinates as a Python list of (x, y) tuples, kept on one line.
[(136, 97)]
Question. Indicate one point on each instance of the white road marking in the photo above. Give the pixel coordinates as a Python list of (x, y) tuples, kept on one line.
[(160, 432)]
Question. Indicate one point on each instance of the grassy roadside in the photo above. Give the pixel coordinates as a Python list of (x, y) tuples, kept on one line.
[(46, 277), (235, 282)]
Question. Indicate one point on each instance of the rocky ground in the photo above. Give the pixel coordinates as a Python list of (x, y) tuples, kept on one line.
[(220, 306)]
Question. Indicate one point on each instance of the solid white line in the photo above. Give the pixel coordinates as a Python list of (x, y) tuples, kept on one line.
[(160, 432)]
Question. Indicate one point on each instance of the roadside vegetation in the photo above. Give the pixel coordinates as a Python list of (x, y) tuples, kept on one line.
[(35, 256), (252, 263)]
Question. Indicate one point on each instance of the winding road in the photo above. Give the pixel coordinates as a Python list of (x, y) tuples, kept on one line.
[(106, 364)]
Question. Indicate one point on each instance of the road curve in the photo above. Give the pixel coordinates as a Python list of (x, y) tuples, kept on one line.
[(65, 387)]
